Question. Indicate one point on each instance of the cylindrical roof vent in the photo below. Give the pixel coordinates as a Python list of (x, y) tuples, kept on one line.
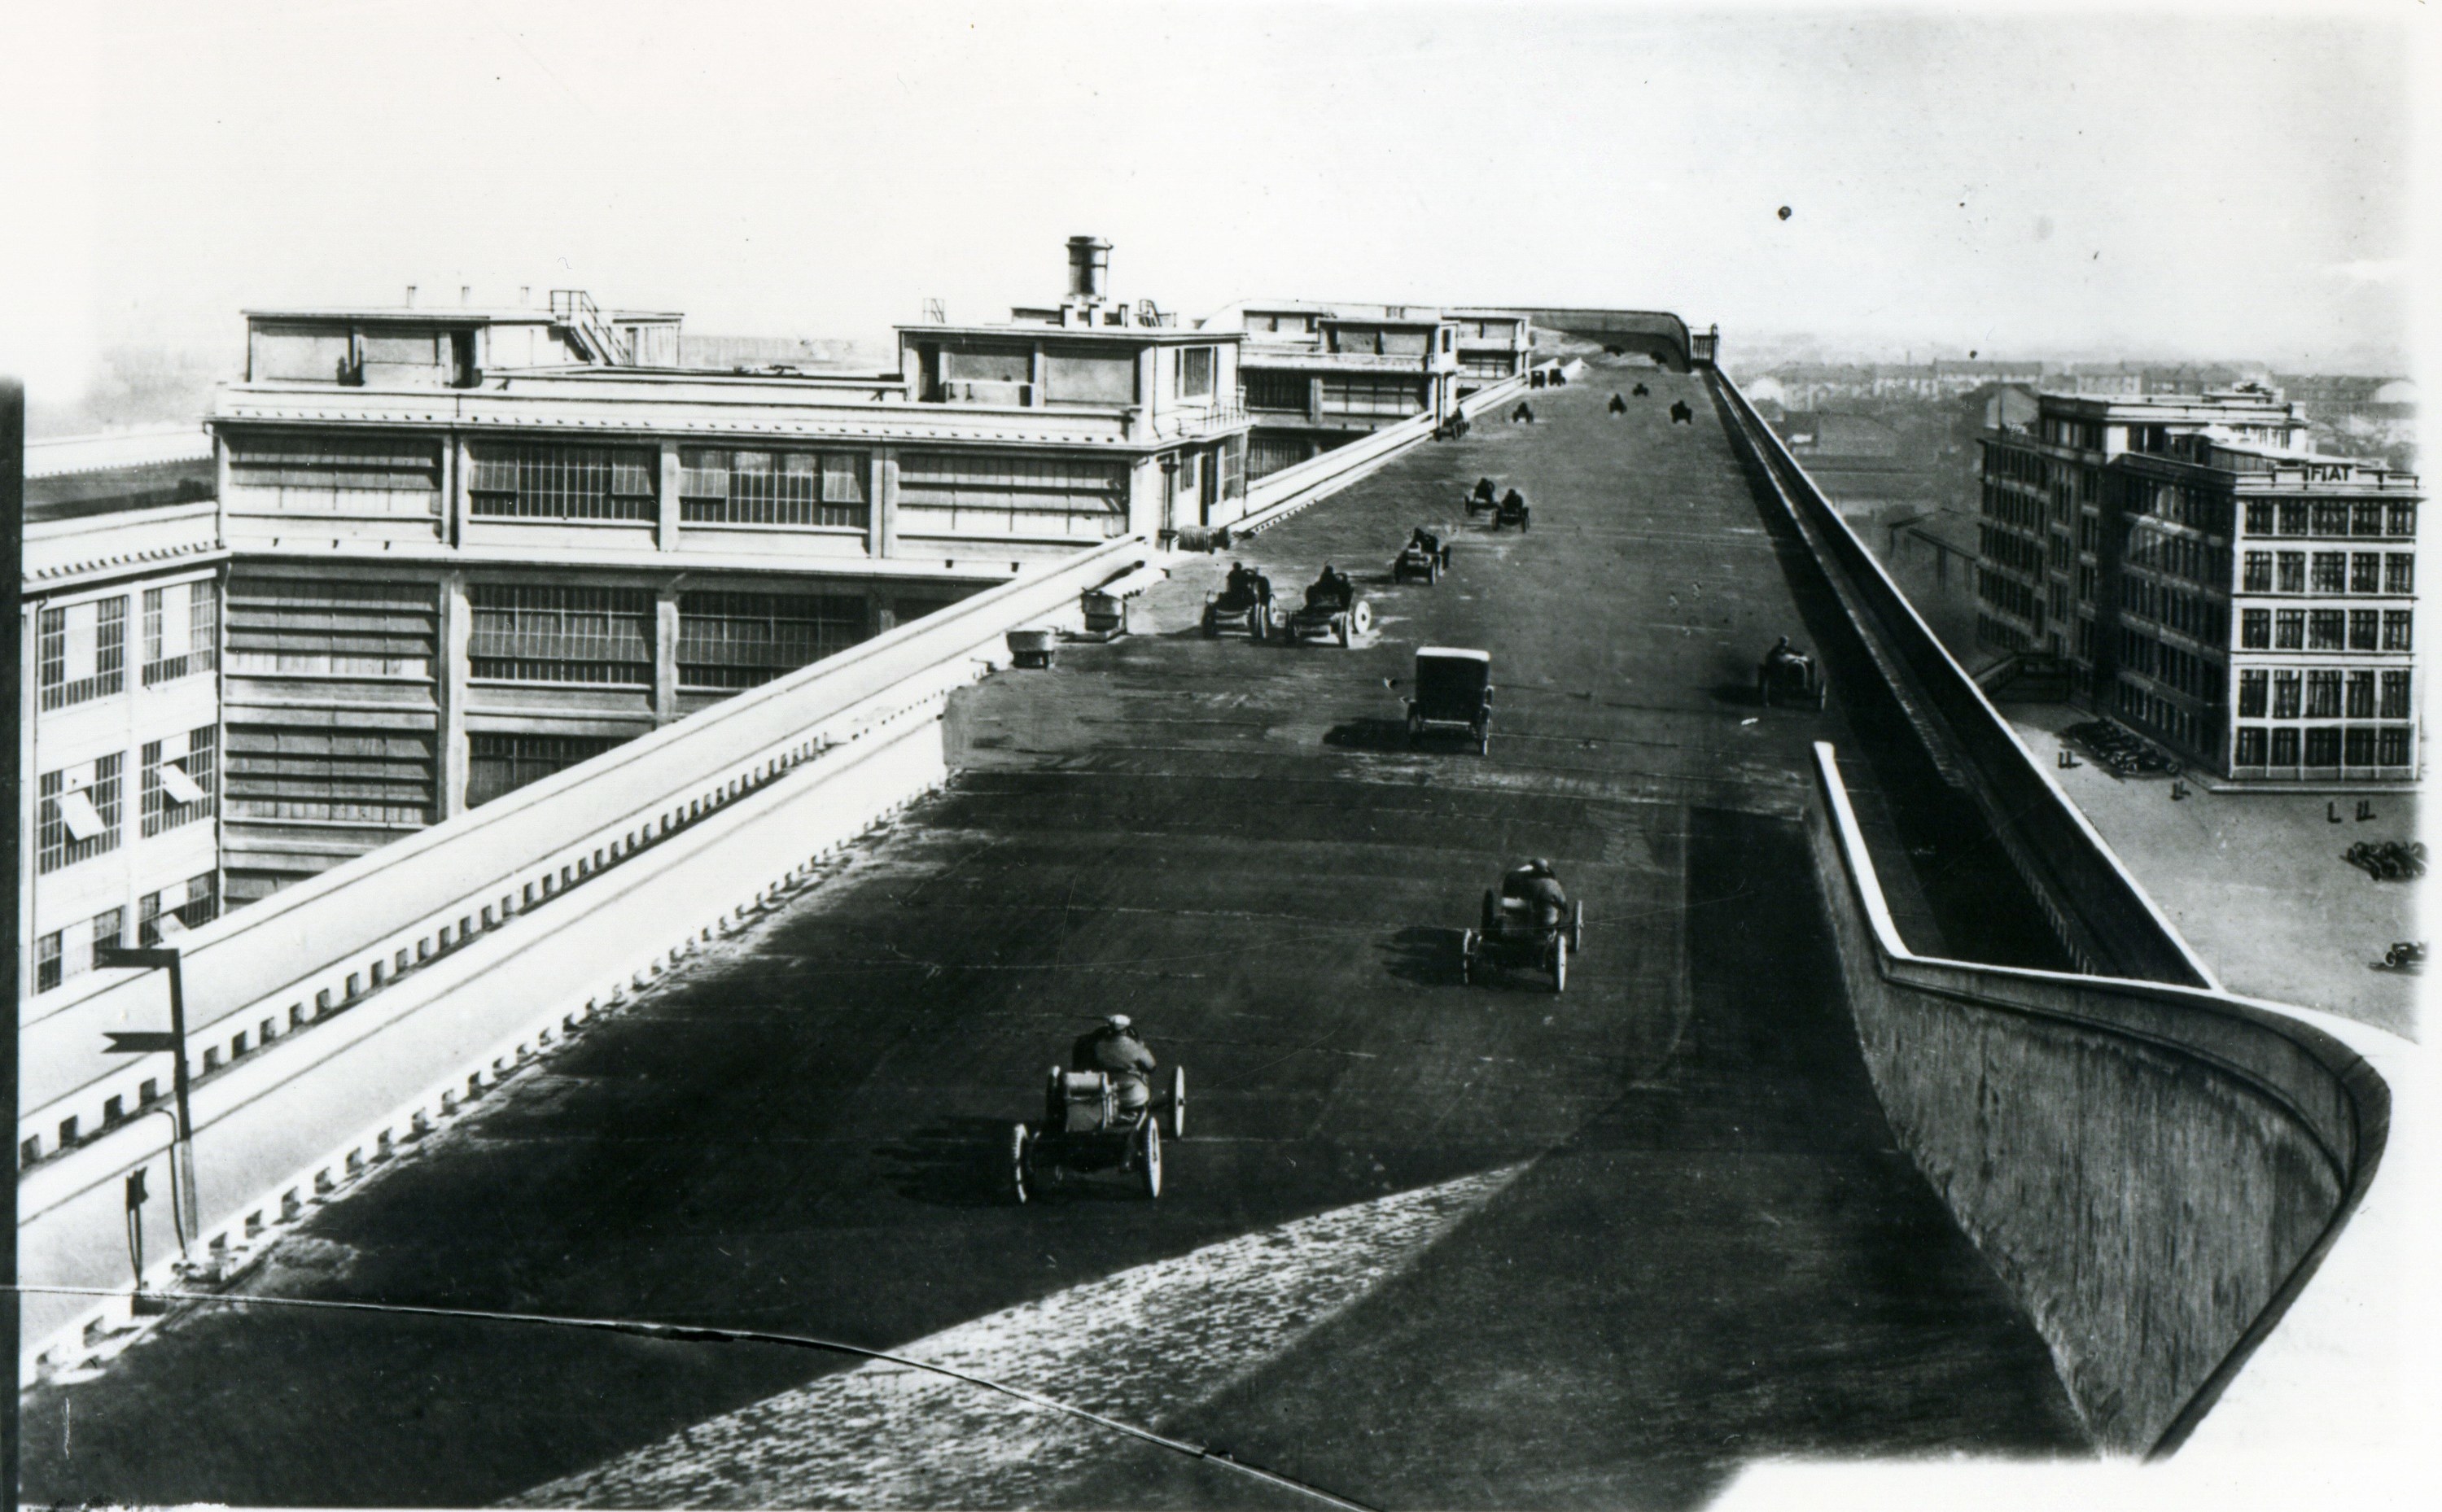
[(1090, 267)]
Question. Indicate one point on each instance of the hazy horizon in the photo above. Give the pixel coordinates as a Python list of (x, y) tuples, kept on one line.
[(2175, 186)]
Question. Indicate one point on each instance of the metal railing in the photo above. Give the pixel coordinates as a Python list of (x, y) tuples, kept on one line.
[(576, 310)]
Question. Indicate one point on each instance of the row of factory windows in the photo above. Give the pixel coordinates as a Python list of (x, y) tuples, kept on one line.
[(2328, 573), (2145, 707), (2204, 509), (2008, 549), (2326, 629), (2005, 593), (547, 634), (64, 955), (80, 806), (2326, 746), (2195, 615), (81, 650), (2321, 693), (2184, 557), (2328, 516), (2183, 672), (718, 485), (2013, 508)]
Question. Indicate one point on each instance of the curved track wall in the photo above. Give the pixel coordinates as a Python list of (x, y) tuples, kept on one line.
[(2155, 1171)]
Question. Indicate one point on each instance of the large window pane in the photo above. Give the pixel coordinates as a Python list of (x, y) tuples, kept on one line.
[(736, 640), (531, 482), (537, 633)]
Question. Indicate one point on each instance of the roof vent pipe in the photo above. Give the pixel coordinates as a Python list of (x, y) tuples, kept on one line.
[(1089, 267), (466, 293), (411, 296)]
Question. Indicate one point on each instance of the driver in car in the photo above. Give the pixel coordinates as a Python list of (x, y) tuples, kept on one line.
[(1484, 489), (1513, 500), (1113, 1047), (1783, 654), (1330, 591), (1425, 540), (1536, 884)]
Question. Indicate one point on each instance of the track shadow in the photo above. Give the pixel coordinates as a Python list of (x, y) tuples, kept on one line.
[(1368, 734), (953, 1163), (1738, 695), (1425, 954)]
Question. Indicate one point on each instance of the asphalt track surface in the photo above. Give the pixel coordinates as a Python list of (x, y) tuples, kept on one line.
[(1711, 1251)]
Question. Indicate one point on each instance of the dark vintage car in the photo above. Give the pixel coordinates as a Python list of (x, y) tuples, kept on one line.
[(1453, 692), (1788, 677), (1088, 1127)]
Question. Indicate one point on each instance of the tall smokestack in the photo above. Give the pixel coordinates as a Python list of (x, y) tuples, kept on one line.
[(1089, 267)]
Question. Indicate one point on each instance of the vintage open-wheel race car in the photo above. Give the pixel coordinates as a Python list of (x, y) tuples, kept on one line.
[(1426, 556), (1516, 934), (1790, 677), (1247, 609), (1088, 1126), (1340, 619), (1512, 510)]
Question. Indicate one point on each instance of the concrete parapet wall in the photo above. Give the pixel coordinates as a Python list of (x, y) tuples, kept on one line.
[(2156, 1172), (2102, 918)]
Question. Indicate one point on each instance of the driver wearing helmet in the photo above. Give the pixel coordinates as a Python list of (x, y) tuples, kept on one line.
[(1539, 888), (1113, 1047)]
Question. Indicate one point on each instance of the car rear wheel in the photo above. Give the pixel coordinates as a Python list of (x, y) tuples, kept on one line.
[(1561, 964), (1020, 1157), (1178, 1103), (1415, 728), (1149, 1157), (1577, 925), (1212, 622), (1466, 956), (1484, 740)]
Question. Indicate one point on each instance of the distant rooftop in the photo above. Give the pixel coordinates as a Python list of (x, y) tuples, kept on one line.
[(144, 447)]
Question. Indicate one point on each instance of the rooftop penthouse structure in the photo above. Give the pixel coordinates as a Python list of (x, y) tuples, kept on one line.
[(1321, 374)]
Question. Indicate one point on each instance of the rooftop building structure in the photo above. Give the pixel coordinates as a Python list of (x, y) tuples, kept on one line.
[(1318, 374), (2247, 602), (475, 546)]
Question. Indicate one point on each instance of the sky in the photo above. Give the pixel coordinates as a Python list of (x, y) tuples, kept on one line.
[(2063, 181)]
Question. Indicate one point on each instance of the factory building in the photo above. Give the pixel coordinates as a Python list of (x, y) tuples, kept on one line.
[(2208, 581), (472, 546)]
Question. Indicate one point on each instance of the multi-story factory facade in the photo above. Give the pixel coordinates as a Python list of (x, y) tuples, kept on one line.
[(2250, 604), (120, 720), (473, 547)]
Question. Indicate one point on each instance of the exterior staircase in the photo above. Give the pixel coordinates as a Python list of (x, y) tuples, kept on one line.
[(575, 312)]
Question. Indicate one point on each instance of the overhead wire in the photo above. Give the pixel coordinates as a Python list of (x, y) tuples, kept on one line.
[(704, 1332)]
